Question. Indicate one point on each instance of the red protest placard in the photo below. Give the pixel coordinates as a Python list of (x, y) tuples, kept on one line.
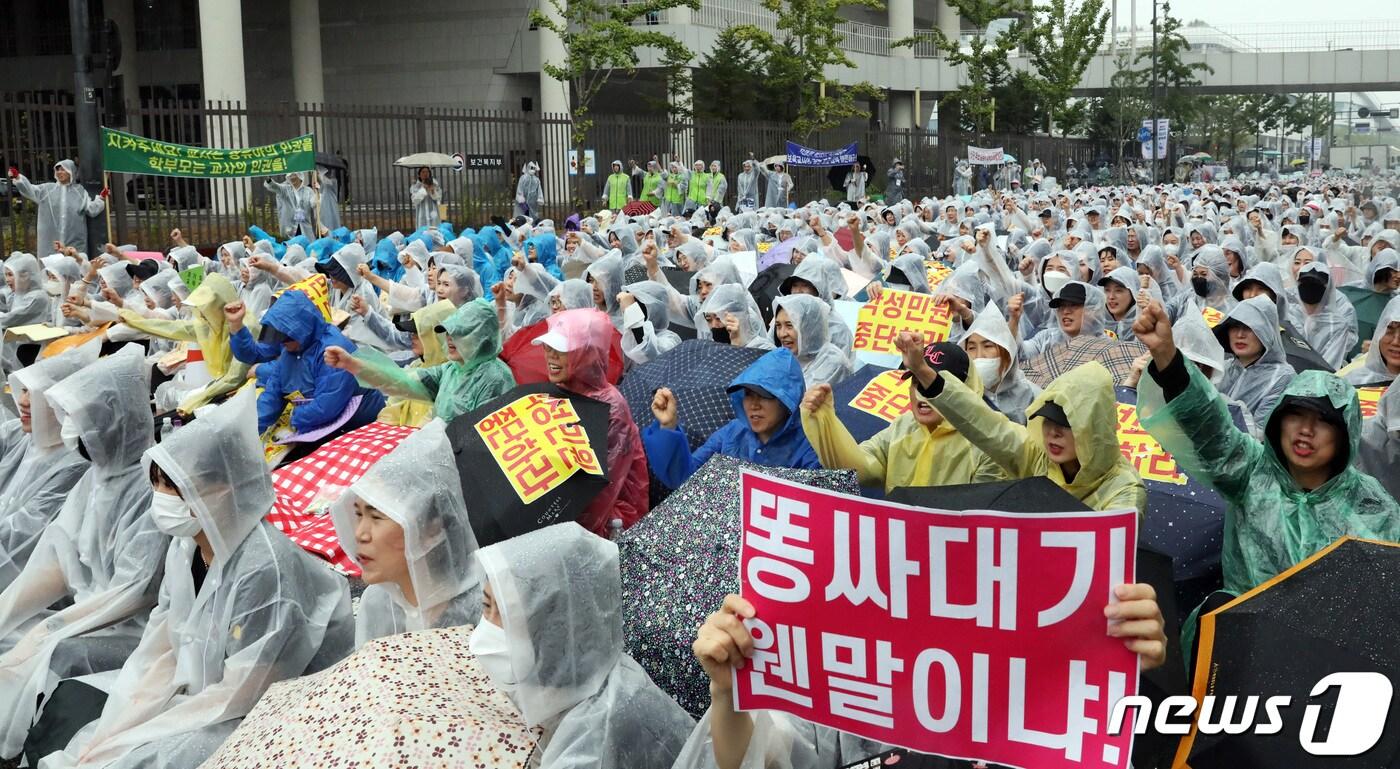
[(973, 635)]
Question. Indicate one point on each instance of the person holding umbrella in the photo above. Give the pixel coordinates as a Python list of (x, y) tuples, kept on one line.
[(425, 195), (1286, 496), (766, 429), (576, 349)]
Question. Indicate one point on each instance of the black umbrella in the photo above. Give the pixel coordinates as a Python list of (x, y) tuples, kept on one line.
[(496, 503), (678, 278), (1368, 305), (764, 288), (837, 174), (697, 371), (1333, 613), (1040, 495), (330, 160), (1301, 355), (681, 559), (888, 397)]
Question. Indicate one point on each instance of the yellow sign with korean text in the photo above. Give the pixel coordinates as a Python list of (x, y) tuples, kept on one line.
[(879, 322), (538, 442)]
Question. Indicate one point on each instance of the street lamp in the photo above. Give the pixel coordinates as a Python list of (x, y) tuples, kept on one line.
[(1153, 155)]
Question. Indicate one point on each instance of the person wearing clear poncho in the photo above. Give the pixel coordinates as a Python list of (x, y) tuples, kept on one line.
[(1121, 287), (472, 375), (800, 325), (36, 470), (240, 607), (1380, 442), (63, 206), (821, 277), (1329, 320), (29, 302), (731, 316), (1288, 495), (102, 551), (1079, 311), (1381, 363), (646, 333), (550, 638), (605, 276), (405, 524), (1256, 367), (1210, 282), (206, 327), (991, 345)]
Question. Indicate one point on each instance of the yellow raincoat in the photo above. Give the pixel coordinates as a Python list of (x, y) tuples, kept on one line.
[(408, 412), (206, 328), (904, 454), (1106, 481)]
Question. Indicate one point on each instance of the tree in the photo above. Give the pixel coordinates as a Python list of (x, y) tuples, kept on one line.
[(985, 61), (1061, 40), (809, 41), (730, 69), (600, 40), (1018, 105), (1176, 77), (1115, 117)]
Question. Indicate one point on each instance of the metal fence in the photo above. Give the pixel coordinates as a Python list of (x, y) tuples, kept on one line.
[(375, 193)]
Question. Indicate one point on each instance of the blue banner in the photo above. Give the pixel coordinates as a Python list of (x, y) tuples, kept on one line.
[(800, 156)]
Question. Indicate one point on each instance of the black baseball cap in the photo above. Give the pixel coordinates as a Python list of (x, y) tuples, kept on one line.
[(404, 323), (143, 270), (760, 390), (271, 335), (1071, 293), (1052, 411), (945, 356), (333, 270)]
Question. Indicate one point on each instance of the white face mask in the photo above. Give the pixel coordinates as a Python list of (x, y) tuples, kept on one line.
[(70, 433), (988, 370), (53, 287), (172, 515), (492, 649), (1055, 280)]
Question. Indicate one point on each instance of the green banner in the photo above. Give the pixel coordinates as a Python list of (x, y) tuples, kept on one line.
[(131, 154)]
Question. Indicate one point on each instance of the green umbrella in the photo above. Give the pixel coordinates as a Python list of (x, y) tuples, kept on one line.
[(1369, 305)]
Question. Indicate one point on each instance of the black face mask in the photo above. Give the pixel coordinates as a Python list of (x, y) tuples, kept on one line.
[(1303, 220), (720, 335), (1311, 291), (1201, 285)]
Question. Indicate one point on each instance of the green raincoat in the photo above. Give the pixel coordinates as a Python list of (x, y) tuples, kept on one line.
[(453, 388), (619, 190), (1270, 523), (1105, 481), (411, 412), (904, 454), (650, 183)]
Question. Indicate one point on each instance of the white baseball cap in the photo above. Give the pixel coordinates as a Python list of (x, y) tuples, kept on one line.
[(552, 339)]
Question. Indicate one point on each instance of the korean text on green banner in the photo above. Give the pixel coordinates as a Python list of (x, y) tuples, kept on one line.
[(131, 154)]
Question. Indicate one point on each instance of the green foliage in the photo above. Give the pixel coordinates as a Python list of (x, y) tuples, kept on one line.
[(807, 42), (1018, 105), (1061, 39), (599, 40), (986, 60), (729, 80), (1176, 78)]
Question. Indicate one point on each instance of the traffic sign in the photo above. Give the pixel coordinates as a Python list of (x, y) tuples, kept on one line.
[(1144, 134)]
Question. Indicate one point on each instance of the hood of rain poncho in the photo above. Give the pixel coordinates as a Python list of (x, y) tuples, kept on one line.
[(295, 315), (908, 270), (1087, 396), (559, 593), (574, 294), (721, 272), (217, 463), (966, 284), (476, 332), (733, 298), (350, 258), (626, 239), (68, 166), (1197, 342), (418, 487), (1318, 385), (1261, 316), (208, 301), (39, 378), (655, 299), (589, 334), (369, 239), (159, 290), (29, 276), (1389, 237), (778, 372), (1213, 258), (1385, 259), (534, 286), (1373, 369), (546, 249), (109, 402), (695, 251), (748, 238), (808, 315), (1089, 257), (467, 282), (64, 268), (1128, 278), (607, 274), (1270, 276), (1329, 294), (822, 273), (991, 325), (1235, 245), (117, 279), (1156, 261), (1095, 311), (425, 323), (235, 251)]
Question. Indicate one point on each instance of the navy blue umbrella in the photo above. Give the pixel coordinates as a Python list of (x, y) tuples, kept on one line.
[(848, 401), (697, 371)]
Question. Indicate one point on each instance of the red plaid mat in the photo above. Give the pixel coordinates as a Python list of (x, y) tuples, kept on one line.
[(306, 485)]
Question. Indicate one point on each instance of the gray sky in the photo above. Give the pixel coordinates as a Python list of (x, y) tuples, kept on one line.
[(1255, 11)]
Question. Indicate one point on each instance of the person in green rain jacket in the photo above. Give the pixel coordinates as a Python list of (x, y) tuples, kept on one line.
[(472, 375), (653, 184), (1070, 435), (1285, 499), (618, 189)]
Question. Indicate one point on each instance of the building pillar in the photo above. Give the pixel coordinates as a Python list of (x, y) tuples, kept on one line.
[(901, 20), (123, 14), (555, 104), (308, 78), (948, 21), (221, 53)]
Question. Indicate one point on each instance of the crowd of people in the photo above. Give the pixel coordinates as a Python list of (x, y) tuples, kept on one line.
[(146, 604)]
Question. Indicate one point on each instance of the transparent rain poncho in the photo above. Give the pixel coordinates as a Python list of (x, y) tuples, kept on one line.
[(267, 610), (605, 275), (1013, 392), (1380, 442), (822, 362), (102, 552), (454, 388), (1092, 325), (29, 303), (1217, 283), (36, 469), (1329, 327), (559, 593), (733, 298), (1259, 385), (646, 334), (1373, 369), (418, 487), (826, 277)]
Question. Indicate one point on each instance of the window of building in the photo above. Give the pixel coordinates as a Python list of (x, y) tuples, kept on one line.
[(165, 25)]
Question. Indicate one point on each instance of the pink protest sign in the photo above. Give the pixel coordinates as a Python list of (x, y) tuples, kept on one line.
[(974, 635)]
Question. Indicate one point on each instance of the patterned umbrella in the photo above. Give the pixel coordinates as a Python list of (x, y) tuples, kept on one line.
[(680, 561), (413, 700), (638, 208), (697, 371), (1116, 356)]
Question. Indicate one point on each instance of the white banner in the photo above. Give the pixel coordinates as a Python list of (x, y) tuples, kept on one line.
[(1163, 132), (985, 156)]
